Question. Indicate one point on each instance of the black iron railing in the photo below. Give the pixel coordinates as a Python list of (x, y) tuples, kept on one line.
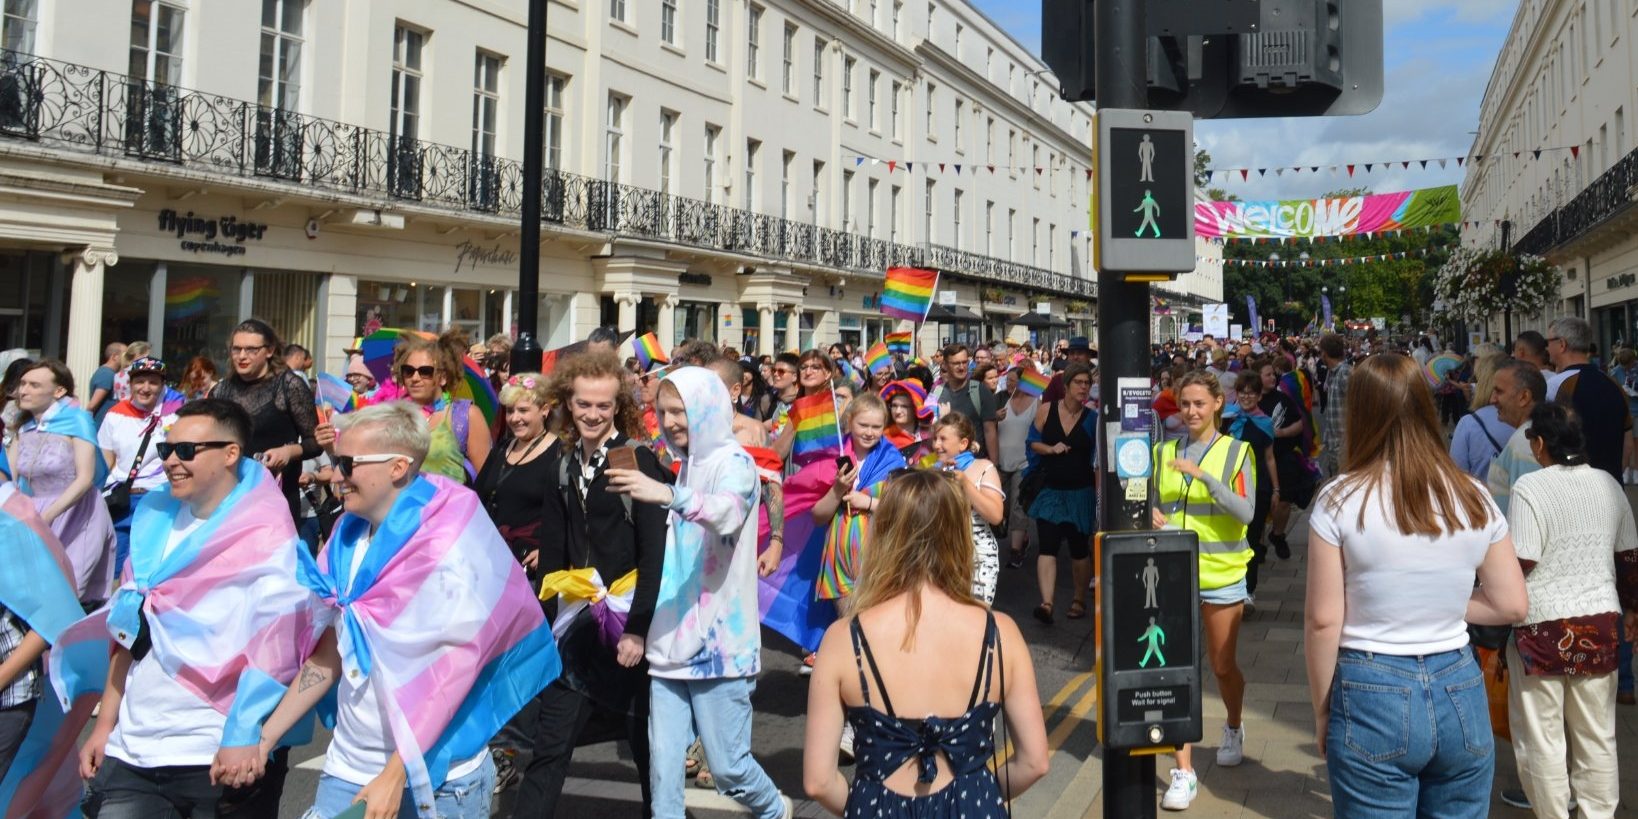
[(76, 107), (1608, 194)]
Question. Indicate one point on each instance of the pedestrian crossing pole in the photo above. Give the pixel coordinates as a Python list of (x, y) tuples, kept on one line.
[(1121, 81), (526, 353)]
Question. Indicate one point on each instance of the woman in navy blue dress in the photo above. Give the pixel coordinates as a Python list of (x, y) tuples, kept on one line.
[(922, 742)]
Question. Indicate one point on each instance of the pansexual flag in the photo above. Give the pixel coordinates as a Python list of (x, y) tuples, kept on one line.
[(899, 343), (648, 352), (1031, 381), (877, 358), (817, 429), (908, 293)]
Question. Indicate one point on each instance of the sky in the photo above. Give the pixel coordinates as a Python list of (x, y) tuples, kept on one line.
[(1438, 58)]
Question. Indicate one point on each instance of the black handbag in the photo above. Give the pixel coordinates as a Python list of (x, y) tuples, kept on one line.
[(119, 498)]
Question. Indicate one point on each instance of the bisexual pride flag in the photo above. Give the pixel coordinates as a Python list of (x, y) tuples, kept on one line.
[(899, 343), (877, 358), (818, 432), (647, 351), (908, 293)]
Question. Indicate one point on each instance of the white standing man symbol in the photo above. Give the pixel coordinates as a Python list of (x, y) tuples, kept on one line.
[(1146, 157), (1151, 581)]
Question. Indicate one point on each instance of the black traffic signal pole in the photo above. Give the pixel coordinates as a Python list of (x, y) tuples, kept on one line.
[(1120, 40), (526, 353)]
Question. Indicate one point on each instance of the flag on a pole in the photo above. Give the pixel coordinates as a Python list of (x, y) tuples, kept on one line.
[(335, 393), (908, 293), (1031, 381), (817, 429), (877, 358), (1251, 305), (1325, 302), (647, 351), (899, 343)]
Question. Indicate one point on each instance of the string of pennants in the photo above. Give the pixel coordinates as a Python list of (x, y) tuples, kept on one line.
[(943, 167), (1377, 257), (1404, 164), (1465, 224)]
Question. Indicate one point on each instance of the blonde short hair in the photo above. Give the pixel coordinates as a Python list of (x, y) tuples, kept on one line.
[(395, 426), (533, 386)]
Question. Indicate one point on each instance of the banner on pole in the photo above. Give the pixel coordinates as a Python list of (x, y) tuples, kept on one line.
[(1348, 216)]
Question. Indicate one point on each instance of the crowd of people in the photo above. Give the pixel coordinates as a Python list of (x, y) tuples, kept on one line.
[(611, 547)]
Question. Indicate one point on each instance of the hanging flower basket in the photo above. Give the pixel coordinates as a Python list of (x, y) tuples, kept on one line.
[(1476, 285)]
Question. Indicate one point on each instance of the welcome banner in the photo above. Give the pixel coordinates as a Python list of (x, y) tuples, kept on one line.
[(1308, 218)]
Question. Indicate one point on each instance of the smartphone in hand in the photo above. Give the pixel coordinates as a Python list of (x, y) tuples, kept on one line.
[(843, 463), (623, 457)]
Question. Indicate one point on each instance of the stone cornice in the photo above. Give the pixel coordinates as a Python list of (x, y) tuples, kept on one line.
[(991, 98)]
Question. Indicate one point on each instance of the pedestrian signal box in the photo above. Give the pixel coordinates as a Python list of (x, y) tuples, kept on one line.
[(1144, 210), (1148, 626)]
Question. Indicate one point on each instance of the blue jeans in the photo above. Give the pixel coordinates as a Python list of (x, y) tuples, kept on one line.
[(308, 531), (721, 711), (1409, 736), (1623, 675), (464, 798), (122, 539)]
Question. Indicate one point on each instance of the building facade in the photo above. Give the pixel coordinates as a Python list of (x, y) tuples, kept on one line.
[(722, 169), (1558, 166)]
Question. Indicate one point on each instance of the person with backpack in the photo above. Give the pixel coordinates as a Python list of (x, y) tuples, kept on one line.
[(1481, 434), (962, 393), (620, 543)]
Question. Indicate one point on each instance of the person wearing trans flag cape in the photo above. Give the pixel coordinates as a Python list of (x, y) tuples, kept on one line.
[(37, 603), (197, 644), (430, 636), (704, 646)]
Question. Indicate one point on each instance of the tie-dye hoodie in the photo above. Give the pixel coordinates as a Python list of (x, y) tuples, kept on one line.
[(705, 622)]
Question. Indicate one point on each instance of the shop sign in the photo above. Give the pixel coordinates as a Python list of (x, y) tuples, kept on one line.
[(199, 235), (1623, 280), (701, 279), (472, 255)]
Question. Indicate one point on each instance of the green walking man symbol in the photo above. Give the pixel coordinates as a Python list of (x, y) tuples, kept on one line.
[(1157, 638), (1150, 209)]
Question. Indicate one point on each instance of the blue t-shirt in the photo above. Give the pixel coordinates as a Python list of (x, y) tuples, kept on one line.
[(102, 379)]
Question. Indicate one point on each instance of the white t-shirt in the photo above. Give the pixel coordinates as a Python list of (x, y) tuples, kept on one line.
[(160, 722), (1406, 594), (362, 744), (121, 434)]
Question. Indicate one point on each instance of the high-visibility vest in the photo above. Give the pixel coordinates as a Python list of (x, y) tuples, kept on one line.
[(1224, 552)]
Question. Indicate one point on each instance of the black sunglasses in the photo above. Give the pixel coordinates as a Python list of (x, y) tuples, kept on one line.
[(405, 371), (185, 450)]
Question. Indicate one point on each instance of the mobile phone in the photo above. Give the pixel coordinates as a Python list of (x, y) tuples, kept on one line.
[(623, 457), (843, 463)]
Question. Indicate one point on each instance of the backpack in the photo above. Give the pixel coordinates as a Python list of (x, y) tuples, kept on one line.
[(563, 475)]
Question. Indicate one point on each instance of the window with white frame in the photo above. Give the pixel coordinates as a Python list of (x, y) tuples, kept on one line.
[(156, 42), (960, 117), (617, 10), (872, 19), (1035, 164), (788, 84), (752, 148), (847, 202), (848, 64), (1052, 244), (668, 168), (989, 228), (753, 43), (786, 162), (871, 188), (668, 22), (1035, 242), (870, 96), (959, 31), (485, 103), (898, 12), (405, 122), (989, 140), (932, 112), (989, 63), (712, 133), (1012, 153), (955, 219), (898, 91), (555, 85), (614, 138), (713, 28), (817, 200), (22, 17), (1012, 225), (819, 96), (927, 232), (278, 80), (894, 198)]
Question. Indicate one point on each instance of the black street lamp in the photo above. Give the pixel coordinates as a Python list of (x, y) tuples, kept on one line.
[(526, 353)]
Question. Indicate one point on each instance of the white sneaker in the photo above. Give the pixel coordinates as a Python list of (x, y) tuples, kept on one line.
[(1185, 786), (1233, 750), (1251, 603), (847, 743), (790, 807)]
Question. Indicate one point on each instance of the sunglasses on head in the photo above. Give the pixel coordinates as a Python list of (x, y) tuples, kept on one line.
[(346, 463), (186, 450), (427, 371)]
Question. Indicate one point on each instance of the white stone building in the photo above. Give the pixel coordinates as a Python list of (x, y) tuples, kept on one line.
[(1563, 85), (738, 171)]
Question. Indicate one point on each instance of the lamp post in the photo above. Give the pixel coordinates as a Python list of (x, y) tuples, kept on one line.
[(527, 352)]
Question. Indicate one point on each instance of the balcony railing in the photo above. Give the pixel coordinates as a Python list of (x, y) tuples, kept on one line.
[(79, 108), (1608, 194)]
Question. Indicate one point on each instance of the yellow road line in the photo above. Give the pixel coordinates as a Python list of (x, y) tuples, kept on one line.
[(1049, 711)]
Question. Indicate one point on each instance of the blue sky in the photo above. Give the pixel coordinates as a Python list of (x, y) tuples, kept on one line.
[(1439, 54)]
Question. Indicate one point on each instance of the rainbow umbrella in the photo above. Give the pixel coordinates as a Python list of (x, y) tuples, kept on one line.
[(1440, 366), (377, 349)]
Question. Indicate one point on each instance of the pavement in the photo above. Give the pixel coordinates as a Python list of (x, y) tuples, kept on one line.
[(1281, 778)]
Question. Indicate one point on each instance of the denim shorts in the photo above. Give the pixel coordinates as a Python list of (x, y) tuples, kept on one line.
[(1226, 595), (465, 798)]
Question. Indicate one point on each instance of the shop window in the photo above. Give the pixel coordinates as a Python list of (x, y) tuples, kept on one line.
[(695, 320), (648, 315), (24, 283), (201, 310)]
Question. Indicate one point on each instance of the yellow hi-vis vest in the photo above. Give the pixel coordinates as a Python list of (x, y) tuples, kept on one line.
[(1187, 504)]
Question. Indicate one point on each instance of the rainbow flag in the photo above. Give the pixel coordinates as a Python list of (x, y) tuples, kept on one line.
[(899, 343), (335, 393), (853, 375), (188, 298), (818, 431), (908, 293), (648, 352), (877, 358), (1031, 381)]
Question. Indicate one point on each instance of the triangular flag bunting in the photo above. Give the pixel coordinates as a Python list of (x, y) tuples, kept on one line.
[(890, 164), (1575, 151), (992, 170), (941, 167), (1536, 154), (1313, 169), (1368, 167), (1262, 171), (1350, 170), (1244, 174), (1424, 164), (857, 161), (958, 170), (1279, 172), (1459, 161), (909, 166), (1037, 170), (1404, 166)]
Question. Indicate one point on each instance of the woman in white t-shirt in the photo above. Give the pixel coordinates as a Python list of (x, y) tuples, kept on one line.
[(1400, 710)]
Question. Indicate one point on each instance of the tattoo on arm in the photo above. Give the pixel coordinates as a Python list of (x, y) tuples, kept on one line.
[(773, 495), (312, 675)]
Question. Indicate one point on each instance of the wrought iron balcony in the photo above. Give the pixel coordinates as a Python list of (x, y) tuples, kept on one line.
[(78, 108), (1610, 193)]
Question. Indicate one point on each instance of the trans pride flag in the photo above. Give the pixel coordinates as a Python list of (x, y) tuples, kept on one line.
[(37, 585), (335, 393), (441, 619), (908, 293)]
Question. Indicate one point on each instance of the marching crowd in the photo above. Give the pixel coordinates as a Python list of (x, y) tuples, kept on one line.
[(465, 572)]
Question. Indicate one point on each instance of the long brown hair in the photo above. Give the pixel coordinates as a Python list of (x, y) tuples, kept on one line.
[(628, 418), (921, 535), (1391, 422), (447, 352)]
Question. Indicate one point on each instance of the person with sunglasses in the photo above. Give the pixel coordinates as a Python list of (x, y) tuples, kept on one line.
[(128, 436), (280, 402), (417, 584), (460, 437), (211, 584), (815, 373)]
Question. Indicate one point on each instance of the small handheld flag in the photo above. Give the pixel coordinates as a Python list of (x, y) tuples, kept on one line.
[(817, 429), (647, 351), (877, 358), (908, 293), (1032, 382), (335, 393), (899, 343), (854, 377)]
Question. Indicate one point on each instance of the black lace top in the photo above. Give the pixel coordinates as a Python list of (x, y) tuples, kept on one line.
[(281, 413)]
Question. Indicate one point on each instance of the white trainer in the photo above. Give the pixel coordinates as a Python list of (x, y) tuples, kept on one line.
[(1185, 786), (1233, 750)]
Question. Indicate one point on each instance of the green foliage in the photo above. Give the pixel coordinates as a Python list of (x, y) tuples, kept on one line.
[(1220, 195), (1202, 166), (1347, 193)]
